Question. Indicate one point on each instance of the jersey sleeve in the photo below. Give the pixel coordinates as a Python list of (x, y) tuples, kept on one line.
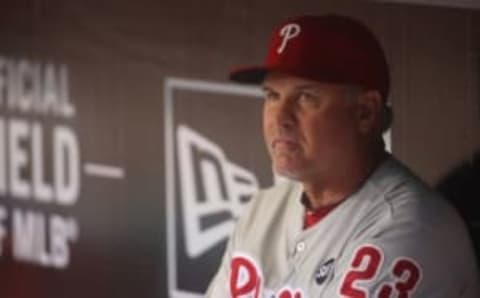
[(402, 263)]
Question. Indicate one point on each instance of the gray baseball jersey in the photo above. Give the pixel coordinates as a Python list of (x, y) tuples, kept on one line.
[(394, 237)]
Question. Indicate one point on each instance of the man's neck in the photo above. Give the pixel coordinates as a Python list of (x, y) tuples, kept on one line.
[(321, 193)]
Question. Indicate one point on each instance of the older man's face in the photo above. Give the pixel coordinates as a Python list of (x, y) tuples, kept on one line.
[(310, 128)]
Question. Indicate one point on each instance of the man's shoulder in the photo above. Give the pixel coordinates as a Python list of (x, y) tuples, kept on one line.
[(276, 195), (399, 187), (410, 223), (402, 199)]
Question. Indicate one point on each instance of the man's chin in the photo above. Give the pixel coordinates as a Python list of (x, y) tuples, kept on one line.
[(287, 173)]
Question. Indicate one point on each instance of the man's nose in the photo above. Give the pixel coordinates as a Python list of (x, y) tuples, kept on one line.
[(285, 113)]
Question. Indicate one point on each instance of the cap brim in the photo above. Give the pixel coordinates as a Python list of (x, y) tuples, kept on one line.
[(248, 75)]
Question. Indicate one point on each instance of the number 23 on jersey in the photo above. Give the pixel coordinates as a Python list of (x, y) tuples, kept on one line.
[(404, 275)]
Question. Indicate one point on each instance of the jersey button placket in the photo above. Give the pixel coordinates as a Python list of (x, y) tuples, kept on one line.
[(300, 247), (299, 254)]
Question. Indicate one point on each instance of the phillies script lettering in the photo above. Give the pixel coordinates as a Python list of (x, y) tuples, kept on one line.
[(39, 163), (246, 280)]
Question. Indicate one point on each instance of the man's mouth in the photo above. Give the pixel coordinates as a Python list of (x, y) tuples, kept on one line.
[(284, 144)]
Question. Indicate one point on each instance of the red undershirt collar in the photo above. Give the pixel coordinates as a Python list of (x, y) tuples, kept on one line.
[(312, 216)]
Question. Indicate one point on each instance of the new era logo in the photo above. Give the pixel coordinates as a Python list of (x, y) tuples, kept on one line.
[(215, 160), (211, 187)]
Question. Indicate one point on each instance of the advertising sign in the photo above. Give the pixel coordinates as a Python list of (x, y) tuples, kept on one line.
[(214, 163)]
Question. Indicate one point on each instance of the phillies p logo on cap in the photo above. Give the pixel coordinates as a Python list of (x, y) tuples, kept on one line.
[(288, 32)]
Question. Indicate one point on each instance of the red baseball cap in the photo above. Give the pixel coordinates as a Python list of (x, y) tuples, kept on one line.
[(328, 48)]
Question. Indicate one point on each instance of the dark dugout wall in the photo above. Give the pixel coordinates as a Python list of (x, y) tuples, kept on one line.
[(125, 156)]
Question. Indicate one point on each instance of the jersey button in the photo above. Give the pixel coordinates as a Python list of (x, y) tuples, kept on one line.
[(300, 246)]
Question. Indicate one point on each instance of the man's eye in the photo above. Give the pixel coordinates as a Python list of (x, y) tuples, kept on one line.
[(270, 96), (308, 97)]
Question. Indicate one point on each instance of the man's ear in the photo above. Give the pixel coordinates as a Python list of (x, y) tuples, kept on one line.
[(369, 111)]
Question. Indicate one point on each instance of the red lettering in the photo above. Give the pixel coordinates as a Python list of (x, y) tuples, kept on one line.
[(245, 277), (407, 274), (289, 293), (371, 257)]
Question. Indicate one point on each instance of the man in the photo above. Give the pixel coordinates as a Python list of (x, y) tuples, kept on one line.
[(353, 221)]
